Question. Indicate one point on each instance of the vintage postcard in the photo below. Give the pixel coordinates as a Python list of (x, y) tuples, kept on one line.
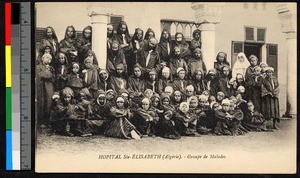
[(171, 87)]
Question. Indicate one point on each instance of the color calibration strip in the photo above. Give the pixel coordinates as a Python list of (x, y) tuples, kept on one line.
[(8, 96), (12, 68)]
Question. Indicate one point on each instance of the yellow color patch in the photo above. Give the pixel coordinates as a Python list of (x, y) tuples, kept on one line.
[(8, 65)]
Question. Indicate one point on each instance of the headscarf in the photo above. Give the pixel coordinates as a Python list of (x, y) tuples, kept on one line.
[(183, 103), (119, 32), (87, 28), (183, 41), (147, 34), (73, 37), (53, 33), (225, 58), (196, 31), (162, 39), (134, 37), (67, 91)]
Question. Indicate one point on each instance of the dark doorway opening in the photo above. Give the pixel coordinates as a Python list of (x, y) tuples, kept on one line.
[(253, 49)]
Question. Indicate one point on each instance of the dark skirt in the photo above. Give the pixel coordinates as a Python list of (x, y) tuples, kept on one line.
[(270, 107), (169, 130), (229, 128), (119, 128)]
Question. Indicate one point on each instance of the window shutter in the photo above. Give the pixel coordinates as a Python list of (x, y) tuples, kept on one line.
[(261, 34), (272, 57), (249, 34), (115, 20), (236, 47)]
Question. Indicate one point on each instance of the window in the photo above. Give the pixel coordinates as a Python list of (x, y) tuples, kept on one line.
[(236, 47), (255, 34), (272, 57), (261, 34), (115, 20), (249, 34)]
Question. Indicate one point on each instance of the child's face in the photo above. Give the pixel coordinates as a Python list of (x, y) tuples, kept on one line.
[(179, 38), (269, 73), (250, 106), (177, 51), (137, 72), (221, 57), (220, 96), (165, 34), (148, 94), (239, 78), (101, 100), (202, 103), (104, 75), (168, 92), (217, 106), (238, 97), (119, 70), (257, 71), (165, 101), (145, 105), (88, 64), (205, 93), (90, 55), (155, 102), (181, 74), (87, 33), (232, 106), (177, 97), (212, 99), (120, 104), (47, 50), (75, 69), (189, 93), (152, 76), (165, 74), (109, 96), (241, 90), (168, 116), (225, 71), (49, 32), (62, 58), (110, 30), (125, 95), (46, 60), (198, 54), (226, 107), (253, 61), (212, 76), (193, 103), (198, 76), (197, 36), (70, 32), (184, 108), (67, 98)]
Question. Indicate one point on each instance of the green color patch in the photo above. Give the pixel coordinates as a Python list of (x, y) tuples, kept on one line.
[(8, 106)]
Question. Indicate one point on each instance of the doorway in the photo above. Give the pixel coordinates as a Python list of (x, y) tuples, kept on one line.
[(253, 49)]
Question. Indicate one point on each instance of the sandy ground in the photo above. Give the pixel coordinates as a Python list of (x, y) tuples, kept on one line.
[(261, 152)]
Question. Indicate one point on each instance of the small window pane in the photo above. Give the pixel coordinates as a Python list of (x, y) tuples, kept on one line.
[(249, 33), (237, 47), (273, 50), (261, 34)]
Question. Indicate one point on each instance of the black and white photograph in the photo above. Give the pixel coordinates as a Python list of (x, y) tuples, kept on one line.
[(165, 87)]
